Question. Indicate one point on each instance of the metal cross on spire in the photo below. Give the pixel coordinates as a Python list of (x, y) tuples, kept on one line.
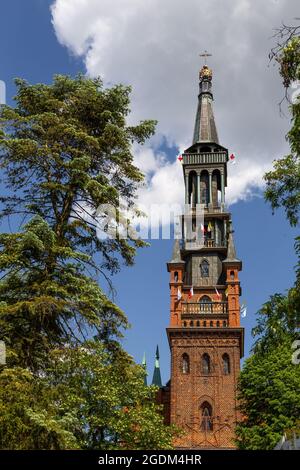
[(205, 54)]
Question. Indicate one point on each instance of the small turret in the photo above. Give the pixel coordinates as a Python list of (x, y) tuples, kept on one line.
[(156, 380)]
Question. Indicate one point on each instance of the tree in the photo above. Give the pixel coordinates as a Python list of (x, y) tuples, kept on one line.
[(113, 413), (269, 397), (270, 380), (30, 414), (65, 149), (283, 182), (89, 398)]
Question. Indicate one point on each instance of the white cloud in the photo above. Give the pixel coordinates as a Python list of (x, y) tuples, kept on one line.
[(153, 45)]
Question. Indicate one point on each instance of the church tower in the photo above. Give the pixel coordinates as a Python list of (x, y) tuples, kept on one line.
[(205, 336)]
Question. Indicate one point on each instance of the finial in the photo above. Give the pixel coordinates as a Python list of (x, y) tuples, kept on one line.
[(205, 72), (205, 54)]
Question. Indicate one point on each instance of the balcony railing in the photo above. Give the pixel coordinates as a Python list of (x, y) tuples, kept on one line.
[(207, 243), (200, 308), (210, 243), (200, 158)]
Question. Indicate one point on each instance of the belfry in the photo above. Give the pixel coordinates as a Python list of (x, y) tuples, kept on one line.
[(204, 333)]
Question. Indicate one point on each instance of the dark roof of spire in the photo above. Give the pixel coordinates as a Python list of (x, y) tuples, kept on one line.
[(156, 380), (205, 128), (231, 253), (176, 255)]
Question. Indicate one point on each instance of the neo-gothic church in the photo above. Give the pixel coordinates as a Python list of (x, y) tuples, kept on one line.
[(204, 333)]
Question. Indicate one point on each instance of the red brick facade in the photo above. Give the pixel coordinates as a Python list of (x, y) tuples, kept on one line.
[(204, 333)]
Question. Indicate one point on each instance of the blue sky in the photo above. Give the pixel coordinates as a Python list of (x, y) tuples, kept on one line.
[(30, 49)]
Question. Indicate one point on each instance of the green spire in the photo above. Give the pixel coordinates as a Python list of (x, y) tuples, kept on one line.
[(156, 380), (144, 365)]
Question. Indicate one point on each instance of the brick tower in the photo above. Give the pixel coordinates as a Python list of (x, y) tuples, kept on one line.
[(205, 337)]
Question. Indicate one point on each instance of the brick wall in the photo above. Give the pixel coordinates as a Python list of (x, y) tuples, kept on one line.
[(188, 391)]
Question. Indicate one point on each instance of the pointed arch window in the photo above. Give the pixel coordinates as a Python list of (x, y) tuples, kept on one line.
[(206, 417), (204, 268), (226, 364), (206, 364), (185, 364)]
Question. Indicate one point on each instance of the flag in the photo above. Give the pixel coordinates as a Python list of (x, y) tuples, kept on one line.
[(203, 229), (218, 293), (232, 158), (243, 310), (209, 227), (180, 158), (178, 294), (191, 292), (226, 292)]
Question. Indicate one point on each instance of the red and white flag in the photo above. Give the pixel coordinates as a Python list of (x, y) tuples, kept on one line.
[(232, 158), (218, 293), (180, 157), (191, 292), (202, 228)]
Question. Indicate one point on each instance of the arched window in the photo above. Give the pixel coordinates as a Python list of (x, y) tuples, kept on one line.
[(205, 299), (185, 364), (205, 364), (204, 187), (176, 276), (232, 275), (206, 417), (204, 268), (226, 364), (193, 188)]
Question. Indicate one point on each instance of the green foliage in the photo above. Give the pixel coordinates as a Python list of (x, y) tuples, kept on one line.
[(30, 414), (270, 381), (269, 397), (41, 307), (89, 398), (276, 319), (116, 409), (283, 181), (64, 150)]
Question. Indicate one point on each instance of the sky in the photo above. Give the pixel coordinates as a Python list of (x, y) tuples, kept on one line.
[(154, 46)]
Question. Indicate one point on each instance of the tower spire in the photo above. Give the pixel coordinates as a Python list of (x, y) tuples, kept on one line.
[(205, 128), (156, 380), (231, 253)]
